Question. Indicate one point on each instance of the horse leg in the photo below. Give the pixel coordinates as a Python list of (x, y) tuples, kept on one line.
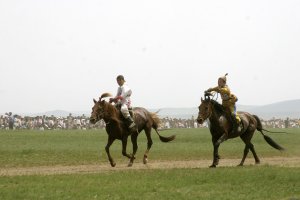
[(149, 144), (257, 161), (246, 151), (216, 156), (124, 146), (222, 138), (109, 143), (246, 137), (134, 148)]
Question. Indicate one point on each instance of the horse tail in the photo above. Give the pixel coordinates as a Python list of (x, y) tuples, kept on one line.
[(260, 128), (156, 122), (267, 138)]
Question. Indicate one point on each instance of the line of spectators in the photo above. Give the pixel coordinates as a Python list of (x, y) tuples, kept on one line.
[(9, 121), (281, 123)]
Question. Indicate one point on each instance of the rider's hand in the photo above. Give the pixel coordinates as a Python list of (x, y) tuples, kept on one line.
[(119, 97), (207, 92)]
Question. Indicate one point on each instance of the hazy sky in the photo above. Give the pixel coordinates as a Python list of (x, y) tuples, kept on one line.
[(60, 54)]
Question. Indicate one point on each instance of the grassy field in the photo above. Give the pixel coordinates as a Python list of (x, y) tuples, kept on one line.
[(50, 148), (37, 148), (221, 183)]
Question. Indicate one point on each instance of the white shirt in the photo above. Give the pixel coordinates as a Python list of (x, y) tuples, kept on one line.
[(125, 92)]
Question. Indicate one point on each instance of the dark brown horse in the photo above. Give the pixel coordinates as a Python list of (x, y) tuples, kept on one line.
[(116, 128), (219, 123)]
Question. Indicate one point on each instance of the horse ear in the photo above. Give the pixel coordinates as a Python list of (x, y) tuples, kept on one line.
[(201, 99), (95, 101)]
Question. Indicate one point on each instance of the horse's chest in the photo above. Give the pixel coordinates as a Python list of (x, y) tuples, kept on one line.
[(115, 132)]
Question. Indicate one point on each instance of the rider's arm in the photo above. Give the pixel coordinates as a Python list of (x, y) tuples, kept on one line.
[(224, 90), (215, 89), (126, 91), (117, 97)]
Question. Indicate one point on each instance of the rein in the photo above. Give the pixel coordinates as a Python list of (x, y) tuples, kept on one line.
[(215, 94)]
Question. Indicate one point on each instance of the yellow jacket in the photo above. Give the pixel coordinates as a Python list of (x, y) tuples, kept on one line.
[(228, 99)]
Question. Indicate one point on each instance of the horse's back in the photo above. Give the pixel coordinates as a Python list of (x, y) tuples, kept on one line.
[(246, 115), (142, 115), (248, 119), (141, 112)]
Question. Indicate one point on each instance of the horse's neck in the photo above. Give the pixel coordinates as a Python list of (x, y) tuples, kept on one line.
[(113, 123), (215, 116), (113, 117)]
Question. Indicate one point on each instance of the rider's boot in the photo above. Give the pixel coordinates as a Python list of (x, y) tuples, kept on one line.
[(131, 125), (234, 124)]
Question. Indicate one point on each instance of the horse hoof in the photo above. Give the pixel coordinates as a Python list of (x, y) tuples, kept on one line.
[(145, 160), (113, 164), (130, 164), (240, 165), (212, 166), (257, 162)]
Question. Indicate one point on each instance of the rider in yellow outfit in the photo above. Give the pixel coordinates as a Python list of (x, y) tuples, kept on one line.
[(228, 101)]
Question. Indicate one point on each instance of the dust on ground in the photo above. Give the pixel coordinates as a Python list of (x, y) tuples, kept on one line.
[(105, 168)]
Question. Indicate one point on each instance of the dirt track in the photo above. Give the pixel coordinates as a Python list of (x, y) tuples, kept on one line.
[(50, 170)]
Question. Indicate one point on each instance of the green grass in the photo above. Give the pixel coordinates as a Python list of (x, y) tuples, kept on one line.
[(222, 183), (37, 148)]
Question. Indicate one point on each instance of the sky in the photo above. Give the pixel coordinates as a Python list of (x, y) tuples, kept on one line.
[(60, 54)]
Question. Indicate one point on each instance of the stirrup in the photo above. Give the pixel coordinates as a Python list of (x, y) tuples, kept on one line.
[(240, 127), (132, 127)]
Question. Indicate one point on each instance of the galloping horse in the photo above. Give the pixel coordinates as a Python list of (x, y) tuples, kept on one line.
[(116, 128), (219, 123)]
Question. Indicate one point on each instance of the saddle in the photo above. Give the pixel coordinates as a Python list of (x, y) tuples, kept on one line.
[(244, 123)]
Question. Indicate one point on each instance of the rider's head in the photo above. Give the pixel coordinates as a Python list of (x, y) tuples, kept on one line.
[(120, 80), (222, 80)]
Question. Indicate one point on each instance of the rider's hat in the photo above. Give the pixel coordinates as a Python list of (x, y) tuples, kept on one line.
[(120, 77), (224, 77)]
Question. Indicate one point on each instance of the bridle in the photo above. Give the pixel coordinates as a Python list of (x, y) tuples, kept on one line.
[(207, 98)]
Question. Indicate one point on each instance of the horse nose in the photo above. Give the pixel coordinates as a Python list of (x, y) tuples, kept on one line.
[(92, 120), (200, 120)]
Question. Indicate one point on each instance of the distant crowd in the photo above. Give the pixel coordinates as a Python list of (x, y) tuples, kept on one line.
[(9, 121), (12, 122), (192, 123)]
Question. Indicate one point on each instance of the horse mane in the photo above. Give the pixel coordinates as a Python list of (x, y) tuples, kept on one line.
[(109, 108), (112, 111), (218, 107), (105, 95)]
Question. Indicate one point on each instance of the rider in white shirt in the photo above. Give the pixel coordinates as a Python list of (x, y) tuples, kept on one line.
[(123, 99)]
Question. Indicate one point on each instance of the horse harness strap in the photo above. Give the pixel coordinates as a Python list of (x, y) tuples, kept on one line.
[(131, 112)]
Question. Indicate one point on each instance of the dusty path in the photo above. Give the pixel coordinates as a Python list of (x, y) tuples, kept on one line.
[(102, 168)]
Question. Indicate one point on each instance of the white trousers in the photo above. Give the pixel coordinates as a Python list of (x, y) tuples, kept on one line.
[(125, 111)]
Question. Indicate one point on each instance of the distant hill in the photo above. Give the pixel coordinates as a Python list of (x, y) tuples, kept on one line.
[(282, 110)]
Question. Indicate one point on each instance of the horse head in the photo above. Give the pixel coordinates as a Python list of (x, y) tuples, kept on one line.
[(205, 108), (99, 110)]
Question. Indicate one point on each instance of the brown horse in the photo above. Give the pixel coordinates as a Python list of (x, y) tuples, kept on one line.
[(220, 122), (116, 128)]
